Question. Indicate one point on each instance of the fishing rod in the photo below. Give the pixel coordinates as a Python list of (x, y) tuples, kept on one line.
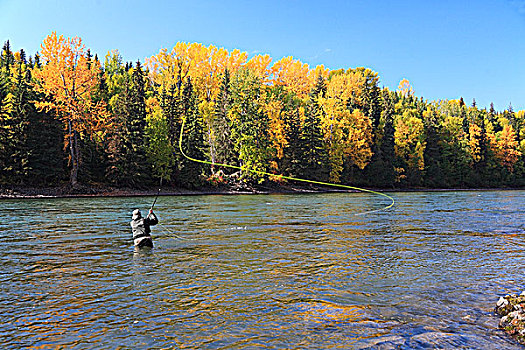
[(155, 201), (392, 201)]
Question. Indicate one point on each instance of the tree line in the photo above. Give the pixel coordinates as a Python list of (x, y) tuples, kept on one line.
[(68, 117)]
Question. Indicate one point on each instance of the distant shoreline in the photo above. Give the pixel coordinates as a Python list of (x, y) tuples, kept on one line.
[(20, 192)]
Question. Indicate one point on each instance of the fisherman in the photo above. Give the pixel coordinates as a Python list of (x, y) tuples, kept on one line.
[(141, 228)]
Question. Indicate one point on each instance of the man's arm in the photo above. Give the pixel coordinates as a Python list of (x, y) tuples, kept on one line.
[(152, 218)]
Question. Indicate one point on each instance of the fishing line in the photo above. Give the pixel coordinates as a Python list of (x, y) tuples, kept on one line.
[(172, 234), (288, 177)]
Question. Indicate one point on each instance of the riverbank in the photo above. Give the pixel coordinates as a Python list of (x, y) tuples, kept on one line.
[(104, 191), (65, 191)]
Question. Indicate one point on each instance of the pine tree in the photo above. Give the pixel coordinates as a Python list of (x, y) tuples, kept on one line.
[(5, 115), (388, 142), (19, 120), (516, 123), (140, 171), (493, 119), (314, 160), (433, 176), (46, 155), (380, 172), (193, 143), (170, 103), (249, 124), (129, 166), (223, 147), (8, 58), (295, 148), (464, 118)]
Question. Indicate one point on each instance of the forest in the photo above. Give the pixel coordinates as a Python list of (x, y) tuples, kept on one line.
[(71, 118)]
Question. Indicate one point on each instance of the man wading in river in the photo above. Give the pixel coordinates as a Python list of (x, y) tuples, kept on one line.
[(141, 228)]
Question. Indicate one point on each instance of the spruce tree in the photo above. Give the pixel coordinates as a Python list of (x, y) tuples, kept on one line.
[(5, 114), (295, 147), (493, 119), (314, 161), (433, 176), (223, 147), (137, 161), (386, 174), (171, 109), (250, 127), (465, 118), (193, 139), (45, 136), (19, 120), (128, 161)]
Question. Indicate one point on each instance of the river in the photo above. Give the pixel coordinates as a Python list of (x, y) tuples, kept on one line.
[(316, 271)]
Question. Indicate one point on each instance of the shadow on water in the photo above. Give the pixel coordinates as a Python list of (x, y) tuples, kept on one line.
[(277, 271)]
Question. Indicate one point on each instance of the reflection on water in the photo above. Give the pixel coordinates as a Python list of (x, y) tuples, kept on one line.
[(278, 271)]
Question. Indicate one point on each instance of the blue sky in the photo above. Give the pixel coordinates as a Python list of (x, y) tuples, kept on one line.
[(446, 49)]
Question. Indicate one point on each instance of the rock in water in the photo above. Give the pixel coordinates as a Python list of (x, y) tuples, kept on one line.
[(511, 309)]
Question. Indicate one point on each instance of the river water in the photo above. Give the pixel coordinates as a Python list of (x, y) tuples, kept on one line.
[(317, 271)]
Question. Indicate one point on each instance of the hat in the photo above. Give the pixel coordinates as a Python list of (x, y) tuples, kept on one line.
[(136, 214)]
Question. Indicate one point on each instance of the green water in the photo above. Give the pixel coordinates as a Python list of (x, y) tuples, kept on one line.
[(267, 271)]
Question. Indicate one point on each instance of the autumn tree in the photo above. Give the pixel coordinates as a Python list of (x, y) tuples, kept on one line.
[(293, 74), (410, 144), (405, 88), (348, 134), (68, 81), (504, 144)]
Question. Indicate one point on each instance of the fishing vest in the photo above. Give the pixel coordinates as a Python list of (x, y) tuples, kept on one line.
[(139, 229)]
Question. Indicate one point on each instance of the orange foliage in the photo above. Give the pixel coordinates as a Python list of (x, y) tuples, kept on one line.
[(505, 147), (68, 79), (204, 64)]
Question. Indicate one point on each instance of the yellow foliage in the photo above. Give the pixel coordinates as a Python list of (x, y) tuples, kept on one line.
[(453, 127), (293, 74), (346, 134), (260, 66), (314, 73), (346, 87), (274, 109), (405, 88), (409, 140), (474, 142)]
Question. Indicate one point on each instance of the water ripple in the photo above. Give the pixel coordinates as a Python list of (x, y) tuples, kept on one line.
[(279, 271)]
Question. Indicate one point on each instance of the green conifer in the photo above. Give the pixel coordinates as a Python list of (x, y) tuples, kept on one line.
[(193, 139)]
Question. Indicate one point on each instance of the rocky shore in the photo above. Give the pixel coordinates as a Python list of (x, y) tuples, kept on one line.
[(511, 309), (104, 191)]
